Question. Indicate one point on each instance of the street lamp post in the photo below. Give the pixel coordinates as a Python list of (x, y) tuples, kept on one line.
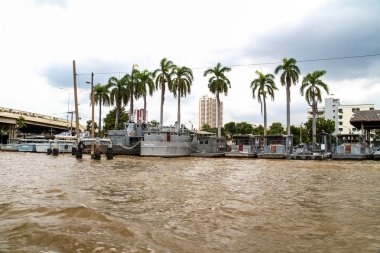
[(301, 133), (68, 110)]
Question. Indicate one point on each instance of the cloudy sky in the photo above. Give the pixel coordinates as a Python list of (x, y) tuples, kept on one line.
[(41, 38)]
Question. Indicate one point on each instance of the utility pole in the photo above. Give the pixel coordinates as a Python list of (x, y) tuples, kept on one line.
[(71, 124), (93, 112), (76, 102)]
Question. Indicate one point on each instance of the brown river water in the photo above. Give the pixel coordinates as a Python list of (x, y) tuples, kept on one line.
[(134, 204)]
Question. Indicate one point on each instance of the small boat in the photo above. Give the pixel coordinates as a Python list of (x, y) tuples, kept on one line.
[(350, 146), (206, 144), (245, 145), (276, 146), (30, 144), (128, 140), (63, 146), (102, 143), (11, 146), (172, 141)]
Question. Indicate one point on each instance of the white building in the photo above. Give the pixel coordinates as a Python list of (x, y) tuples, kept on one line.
[(345, 113), (341, 114), (208, 112)]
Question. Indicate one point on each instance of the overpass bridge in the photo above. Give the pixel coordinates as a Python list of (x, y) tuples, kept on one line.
[(35, 123)]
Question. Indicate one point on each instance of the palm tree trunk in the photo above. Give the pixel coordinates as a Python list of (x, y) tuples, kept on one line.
[(144, 118), (288, 109), (218, 111), (100, 115), (117, 114), (179, 109), (265, 116), (131, 106), (162, 104), (314, 127)]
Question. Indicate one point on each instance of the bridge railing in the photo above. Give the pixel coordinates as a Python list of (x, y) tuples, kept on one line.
[(32, 114)]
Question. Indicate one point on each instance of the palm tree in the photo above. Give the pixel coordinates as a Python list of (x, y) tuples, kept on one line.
[(101, 97), (261, 87), (182, 81), (132, 89), (311, 88), (288, 77), (163, 75), (145, 85), (218, 83), (118, 95)]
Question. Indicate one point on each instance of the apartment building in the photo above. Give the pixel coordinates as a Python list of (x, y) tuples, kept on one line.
[(208, 112), (138, 115), (341, 114)]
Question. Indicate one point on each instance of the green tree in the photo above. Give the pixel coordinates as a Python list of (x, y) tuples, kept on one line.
[(311, 88), (101, 97), (276, 128), (296, 132), (109, 120), (145, 85), (182, 81), (218, 83), (244, 128), (89, 125), (262, 86), (230, 128), (259, 130), (20, 122), (154, 123), (289, 76), (163, 75), (322, 126), (119, 95)]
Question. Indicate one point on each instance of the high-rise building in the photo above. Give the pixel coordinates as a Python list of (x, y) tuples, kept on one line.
[(138, 115), (341, 114), (208, 111)]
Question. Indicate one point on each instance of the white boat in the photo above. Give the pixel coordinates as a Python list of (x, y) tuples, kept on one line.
[(30, 144), (167, 142), (64, 146)]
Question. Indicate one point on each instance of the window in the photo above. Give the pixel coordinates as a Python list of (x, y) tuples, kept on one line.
[(354, 129), (340, 129), (340, 123), (340, 111), (371, 109), (355, 109), (333, 110), (340, 117)]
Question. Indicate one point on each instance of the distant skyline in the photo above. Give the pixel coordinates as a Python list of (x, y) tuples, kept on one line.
[(41, 38)]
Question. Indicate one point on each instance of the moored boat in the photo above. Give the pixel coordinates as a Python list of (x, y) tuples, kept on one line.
[(245, 145), (276, 146), (11, 146), (128, 140), (208, 145), (350, 146), (173, 141)]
